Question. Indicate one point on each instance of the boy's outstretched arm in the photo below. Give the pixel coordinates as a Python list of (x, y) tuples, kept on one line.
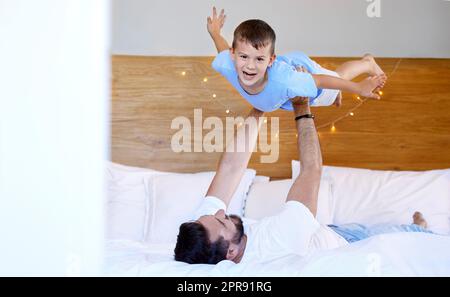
[(364, 88), (214, 25)]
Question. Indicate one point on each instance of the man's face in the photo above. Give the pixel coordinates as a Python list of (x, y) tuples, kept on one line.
[(251, 63), (221, 225)]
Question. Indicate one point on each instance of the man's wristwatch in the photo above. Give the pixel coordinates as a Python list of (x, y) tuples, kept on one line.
[(305, 116)]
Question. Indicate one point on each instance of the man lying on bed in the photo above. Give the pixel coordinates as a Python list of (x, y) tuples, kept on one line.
[(215, 236)]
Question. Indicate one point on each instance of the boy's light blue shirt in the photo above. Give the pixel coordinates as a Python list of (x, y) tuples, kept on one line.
[(284, 81)]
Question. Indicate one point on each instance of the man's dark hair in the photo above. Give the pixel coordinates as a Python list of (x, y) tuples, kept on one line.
[(194, 247), (257, 32)]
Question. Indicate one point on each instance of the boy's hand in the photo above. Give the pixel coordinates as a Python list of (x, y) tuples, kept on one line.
[(215, 23), (370, 85)]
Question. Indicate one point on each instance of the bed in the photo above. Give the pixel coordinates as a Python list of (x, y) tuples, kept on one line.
[(145, 208)]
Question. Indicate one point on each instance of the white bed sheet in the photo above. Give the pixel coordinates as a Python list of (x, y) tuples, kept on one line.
[(401, 254)]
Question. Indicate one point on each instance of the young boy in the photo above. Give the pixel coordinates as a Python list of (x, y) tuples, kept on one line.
[(269, 82)]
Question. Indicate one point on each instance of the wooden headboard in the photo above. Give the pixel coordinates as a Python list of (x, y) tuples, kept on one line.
[(409, 129)]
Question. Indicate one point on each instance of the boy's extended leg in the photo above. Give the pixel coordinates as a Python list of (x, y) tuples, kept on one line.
[(367, 65), (356, 232)]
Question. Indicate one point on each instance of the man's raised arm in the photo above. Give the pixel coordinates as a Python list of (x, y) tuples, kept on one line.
[(234, 160), (306, 187)]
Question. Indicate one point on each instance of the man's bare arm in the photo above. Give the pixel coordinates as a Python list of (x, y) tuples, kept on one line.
[(233, 162), (306, 187), (214, 25)]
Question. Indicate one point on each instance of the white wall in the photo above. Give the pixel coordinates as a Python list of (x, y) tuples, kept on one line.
[(54, 76), (406, 28)]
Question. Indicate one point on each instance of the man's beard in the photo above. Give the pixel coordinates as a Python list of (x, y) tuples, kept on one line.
[(237, 221)]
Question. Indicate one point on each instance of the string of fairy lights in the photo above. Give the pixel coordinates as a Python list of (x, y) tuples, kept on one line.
[(331, 124), (361, 101)]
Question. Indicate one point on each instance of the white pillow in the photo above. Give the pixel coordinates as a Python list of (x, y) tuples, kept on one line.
[(126, 211), (127, 201), (261, 179), (175, 197), (119, 171), (389, 197), (267, 199)]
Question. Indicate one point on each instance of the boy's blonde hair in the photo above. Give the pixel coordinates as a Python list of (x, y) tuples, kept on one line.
[(257, 32)]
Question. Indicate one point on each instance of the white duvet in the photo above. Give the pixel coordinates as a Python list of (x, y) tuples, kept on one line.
[(353, 195), (400, 254)]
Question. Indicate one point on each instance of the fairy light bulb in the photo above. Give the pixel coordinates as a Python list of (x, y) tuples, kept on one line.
[(214, 95), (381, 93), (351, 114), (333, 128), (183, 73), (227, 111), (205, 79)]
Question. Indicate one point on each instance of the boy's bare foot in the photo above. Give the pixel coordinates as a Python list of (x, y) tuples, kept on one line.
[(376, 69), (418, 219)]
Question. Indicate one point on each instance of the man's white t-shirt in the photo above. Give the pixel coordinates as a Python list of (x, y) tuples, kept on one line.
[(293, 231)]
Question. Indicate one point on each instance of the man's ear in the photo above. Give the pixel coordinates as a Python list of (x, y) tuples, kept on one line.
[(232, 252)]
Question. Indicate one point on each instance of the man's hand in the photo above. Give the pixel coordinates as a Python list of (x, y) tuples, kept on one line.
[(370, 85), (297, 101), (300, 100), (215, 23), (301, 69)]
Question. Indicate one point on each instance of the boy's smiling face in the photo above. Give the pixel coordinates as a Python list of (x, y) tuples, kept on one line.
[(251, 63)]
